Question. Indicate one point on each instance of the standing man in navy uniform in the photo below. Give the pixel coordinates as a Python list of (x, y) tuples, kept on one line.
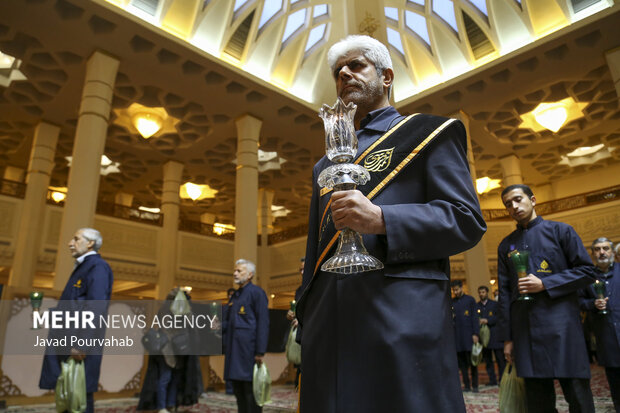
[(381, 341), (246, 331), (91, 281), (606, 326), (467, 330), (487, 314), (543, 336)]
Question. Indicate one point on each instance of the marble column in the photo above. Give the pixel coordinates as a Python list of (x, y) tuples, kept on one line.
[(511, 169), (246, 196), (170, 202), (265, 197), (475, 259), (28, 241), (84, 175)]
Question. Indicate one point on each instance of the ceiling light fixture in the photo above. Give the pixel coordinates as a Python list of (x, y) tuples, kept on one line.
[(151, 210), (148, 124), (193, 191), (221, 229), (196, 192), (551, 116), (486, 184), (58, 197), (145, 120), (585, 150)]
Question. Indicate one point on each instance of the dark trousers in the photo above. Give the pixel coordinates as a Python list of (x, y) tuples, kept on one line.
[(90, 403), (464, 359), (540, 395), (487, 356), (613, 378), (245, 397), (166, 384)]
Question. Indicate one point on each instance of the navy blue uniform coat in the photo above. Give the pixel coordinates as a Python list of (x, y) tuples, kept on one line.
[(489, 311), (383, 341), (546, 332), (90, 280), (606, 327), (466, 322), (246, 331)]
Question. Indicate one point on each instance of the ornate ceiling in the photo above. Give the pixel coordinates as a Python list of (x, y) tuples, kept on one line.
[(210, 62)]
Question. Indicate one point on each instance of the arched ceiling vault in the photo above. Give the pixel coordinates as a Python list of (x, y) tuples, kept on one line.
[(207, 62)]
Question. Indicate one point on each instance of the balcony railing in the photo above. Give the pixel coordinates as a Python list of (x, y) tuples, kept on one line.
[(18, 190), (198, 227), (133, 214), (562, 204), (12, 188)]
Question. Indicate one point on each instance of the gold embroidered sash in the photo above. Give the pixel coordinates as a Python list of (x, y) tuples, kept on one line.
[(385, 151)]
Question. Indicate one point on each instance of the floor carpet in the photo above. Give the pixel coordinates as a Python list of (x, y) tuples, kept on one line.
[(284, 400)]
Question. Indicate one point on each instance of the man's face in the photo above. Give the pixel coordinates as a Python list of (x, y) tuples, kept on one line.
[(603, 254), (519, 205), (357, 81), (241, 274), (79, 245), (483, 294), (457, 290)]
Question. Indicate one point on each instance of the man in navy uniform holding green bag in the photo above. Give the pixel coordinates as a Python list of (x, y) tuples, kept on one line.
[(543, 336), (383, 341), (90, 284), (246, 332), (487, 314), (467, 332)]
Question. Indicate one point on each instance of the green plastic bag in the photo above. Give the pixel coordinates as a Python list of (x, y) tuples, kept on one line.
[(71, 387), (261, 384), (293, 348), (476, 354), (485, 335), (511, 392), (180, 305)]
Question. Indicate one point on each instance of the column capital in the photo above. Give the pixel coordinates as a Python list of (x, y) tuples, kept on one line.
[(248, 126), (172, 170), (511, 169), (613, 62)]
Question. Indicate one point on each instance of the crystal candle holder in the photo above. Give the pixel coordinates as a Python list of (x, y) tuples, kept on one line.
[(341, 146)]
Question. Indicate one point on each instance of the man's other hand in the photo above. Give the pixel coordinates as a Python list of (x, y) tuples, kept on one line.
[(258, 360), (77, 355), (508, 349), (601, 303)]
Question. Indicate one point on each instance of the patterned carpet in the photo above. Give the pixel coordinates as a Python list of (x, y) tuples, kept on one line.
[(284, 400)]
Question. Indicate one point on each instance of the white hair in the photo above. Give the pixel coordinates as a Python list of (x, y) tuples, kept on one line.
[(91, 234), (251, 267), (371, 48)]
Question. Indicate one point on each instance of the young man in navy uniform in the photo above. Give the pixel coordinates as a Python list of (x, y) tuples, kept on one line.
[(467, 330), (382, 341), (91, 281), (606, 326), (487, 314), (246, 331), (543, 336)]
